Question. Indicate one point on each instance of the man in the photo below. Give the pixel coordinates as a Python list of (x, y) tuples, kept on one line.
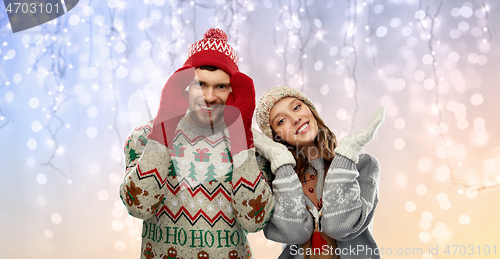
[(193, 178)]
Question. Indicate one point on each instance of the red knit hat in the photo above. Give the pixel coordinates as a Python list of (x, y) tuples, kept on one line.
[(213, 50)]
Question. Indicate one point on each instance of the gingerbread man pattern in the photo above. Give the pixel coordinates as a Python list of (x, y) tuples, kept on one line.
[(258, 212), (233, 254), (171, 254), (148, 251), (133, 193), (160, 198), (203, 255)]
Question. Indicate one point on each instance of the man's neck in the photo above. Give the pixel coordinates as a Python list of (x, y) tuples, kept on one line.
[(193, 122)]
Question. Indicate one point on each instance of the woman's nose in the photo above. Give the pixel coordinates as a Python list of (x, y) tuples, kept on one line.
[(296, 120)]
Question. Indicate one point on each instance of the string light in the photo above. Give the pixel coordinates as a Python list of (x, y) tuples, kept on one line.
[(297, 33), (350, 41)]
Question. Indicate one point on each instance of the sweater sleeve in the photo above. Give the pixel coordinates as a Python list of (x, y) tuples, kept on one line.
[(291, 222), (350, 196), (146, 168), (252, 198)]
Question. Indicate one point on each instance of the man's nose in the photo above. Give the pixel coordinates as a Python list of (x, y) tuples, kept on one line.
[(209, 95)]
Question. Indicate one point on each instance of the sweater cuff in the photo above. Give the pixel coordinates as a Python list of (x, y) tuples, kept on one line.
[(279, 159), (284, 171), (349, 149), (343, 162)]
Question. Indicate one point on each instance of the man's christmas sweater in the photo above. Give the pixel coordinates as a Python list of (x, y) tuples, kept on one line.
[(197, 199)]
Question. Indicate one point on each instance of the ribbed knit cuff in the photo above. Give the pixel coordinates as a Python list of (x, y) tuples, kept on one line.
[(343, 162), (281, 158), (349, 148), (284, 171)]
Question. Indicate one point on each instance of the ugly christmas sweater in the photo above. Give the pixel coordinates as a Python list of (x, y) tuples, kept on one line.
[(197, 200), (340, 228)]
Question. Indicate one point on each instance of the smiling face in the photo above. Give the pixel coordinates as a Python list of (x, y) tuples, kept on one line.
[(208, 93), (294, 122)]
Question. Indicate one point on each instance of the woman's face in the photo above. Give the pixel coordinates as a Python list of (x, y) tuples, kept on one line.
[(294, 122)]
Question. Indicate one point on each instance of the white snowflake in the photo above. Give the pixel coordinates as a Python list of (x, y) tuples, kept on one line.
[(183, 197), (190, 133), (229, 209), (174, 202), (222, 167), (201, 201), (211, 208), (200, 167), (279, 208), (192, 204), (297, 205), (220, 202)]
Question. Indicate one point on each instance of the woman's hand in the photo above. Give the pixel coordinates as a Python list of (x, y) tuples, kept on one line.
[(275, 152), (351, 145)]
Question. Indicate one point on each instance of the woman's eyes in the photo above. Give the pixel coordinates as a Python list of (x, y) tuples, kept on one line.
[(296, 108)]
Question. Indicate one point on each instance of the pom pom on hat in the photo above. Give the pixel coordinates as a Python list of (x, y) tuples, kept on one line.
[(267, 101), (216, 34), (213, 50)]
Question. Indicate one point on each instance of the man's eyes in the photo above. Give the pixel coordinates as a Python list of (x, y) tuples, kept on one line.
[(196, 83)]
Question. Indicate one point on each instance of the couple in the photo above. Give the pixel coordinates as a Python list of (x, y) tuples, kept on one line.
[(194, 180)]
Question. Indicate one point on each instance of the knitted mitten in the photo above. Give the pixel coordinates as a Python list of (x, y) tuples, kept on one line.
[(275, 152), (173, 105), (242, 98), (351, 145)]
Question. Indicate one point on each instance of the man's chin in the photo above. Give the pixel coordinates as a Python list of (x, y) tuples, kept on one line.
[(204, 120)]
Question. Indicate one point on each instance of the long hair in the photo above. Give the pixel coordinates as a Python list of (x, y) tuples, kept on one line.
[(326, 141)]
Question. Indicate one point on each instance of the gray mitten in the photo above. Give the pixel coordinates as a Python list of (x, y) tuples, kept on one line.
[(351, 145), (275, 152)]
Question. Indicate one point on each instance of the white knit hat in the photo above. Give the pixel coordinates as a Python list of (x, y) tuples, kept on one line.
[(267, 101)]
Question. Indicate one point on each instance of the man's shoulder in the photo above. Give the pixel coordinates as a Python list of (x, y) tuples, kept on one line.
[(142, 130), (147, 125)]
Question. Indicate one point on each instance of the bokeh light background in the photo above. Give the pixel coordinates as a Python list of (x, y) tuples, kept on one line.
[(70, 90)]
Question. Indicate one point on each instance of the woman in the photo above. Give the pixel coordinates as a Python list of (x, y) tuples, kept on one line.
[(325, 194)]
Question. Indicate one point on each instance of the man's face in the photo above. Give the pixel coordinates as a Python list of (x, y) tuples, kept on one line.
[(208, 93)]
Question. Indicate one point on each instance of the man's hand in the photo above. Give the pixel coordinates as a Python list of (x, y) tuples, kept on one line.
[(243, 98), (173, 105)]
